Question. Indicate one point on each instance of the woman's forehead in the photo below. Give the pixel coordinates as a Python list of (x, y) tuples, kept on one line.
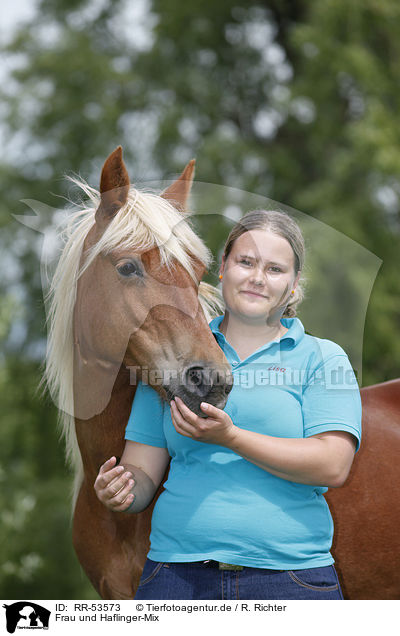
[(265, 245)]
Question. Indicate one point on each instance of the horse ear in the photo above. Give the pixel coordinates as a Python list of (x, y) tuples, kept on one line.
[(114, 186), (178, 192)]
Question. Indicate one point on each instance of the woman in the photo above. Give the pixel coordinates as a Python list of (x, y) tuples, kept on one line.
[(243, 513)]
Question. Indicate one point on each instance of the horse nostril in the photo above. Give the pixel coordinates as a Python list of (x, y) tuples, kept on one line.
[(195, 375), (202, 381), (197, 380)]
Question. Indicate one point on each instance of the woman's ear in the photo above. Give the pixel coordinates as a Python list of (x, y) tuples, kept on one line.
[(296, 280), (222, 266)]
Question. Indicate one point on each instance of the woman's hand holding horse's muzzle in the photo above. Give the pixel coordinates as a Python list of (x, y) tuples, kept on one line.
[(215, 428)]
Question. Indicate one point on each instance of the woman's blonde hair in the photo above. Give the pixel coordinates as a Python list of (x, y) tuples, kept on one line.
[(283, 225)]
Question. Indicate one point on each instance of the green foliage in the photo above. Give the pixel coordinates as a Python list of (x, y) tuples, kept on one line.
[(35, 514), (296, 101), (351, 78)]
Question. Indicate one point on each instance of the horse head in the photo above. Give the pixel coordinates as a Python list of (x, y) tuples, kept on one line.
[(137, 299)]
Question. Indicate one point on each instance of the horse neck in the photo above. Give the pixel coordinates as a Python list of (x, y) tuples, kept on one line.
[(102, 436)]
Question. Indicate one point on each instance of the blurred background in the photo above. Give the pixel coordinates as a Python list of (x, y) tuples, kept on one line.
[(293, 100)]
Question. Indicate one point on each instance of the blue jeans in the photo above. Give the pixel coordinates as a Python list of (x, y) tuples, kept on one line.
[(203, 580)]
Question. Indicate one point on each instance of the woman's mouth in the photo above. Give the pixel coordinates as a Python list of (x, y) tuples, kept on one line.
[(251, 293)]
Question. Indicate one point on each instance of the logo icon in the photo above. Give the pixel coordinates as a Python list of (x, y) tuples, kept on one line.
[(26, 615)]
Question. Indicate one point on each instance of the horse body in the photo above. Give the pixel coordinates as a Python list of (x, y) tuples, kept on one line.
[(366, 510)]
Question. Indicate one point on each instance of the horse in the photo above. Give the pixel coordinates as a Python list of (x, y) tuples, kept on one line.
[(126, 297), (366, 510)]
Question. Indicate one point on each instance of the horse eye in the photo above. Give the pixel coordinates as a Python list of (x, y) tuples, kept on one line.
[(129, 269)]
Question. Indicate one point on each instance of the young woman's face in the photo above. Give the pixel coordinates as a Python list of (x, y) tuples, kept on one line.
[(258, 276)]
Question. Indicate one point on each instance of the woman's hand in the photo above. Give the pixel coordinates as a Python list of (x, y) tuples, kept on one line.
[(216, 428), (113, 486)]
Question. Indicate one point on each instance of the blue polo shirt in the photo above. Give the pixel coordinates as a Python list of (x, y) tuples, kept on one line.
[(218, 505)]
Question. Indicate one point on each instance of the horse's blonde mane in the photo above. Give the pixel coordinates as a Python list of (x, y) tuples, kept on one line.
[(145, 221)]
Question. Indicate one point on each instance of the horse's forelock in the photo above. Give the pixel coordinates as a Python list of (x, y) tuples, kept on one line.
[(146, 221)]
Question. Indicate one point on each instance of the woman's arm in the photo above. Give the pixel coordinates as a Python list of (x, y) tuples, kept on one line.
[(131, 486), (321, 460)]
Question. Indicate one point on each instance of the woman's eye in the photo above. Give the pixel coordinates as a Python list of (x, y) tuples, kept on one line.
[(244, 261), (276, 269), (129, 269)]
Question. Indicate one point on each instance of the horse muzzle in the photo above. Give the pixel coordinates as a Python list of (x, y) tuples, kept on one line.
[(200, 383)]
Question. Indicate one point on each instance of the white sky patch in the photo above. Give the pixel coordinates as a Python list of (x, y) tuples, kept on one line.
[(135, 23), (13, 14), (266, 122), (388, 198)]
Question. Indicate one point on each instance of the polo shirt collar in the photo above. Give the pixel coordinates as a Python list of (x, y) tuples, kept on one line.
[(294, 334)]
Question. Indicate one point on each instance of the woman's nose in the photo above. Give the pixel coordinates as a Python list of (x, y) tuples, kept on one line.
[(257, 277)]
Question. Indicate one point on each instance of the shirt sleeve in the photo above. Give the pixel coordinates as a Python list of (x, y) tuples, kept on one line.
[(331, 399), (145, 424)]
